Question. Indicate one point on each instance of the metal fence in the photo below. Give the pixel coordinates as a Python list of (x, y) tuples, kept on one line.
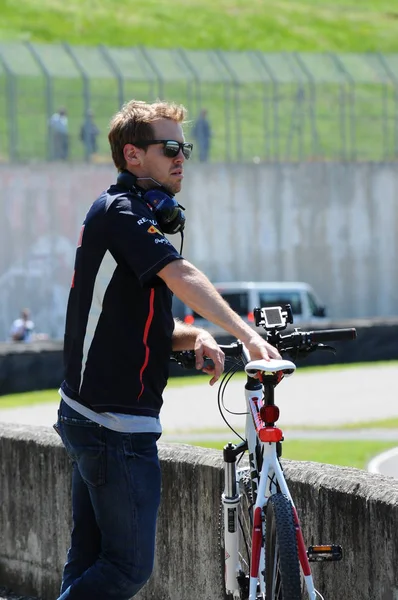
[(261, 107)]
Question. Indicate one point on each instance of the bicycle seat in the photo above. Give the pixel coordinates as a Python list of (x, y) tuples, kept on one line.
[(270, 366)]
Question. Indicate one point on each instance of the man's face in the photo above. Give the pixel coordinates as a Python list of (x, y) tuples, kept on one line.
[(151, 161)]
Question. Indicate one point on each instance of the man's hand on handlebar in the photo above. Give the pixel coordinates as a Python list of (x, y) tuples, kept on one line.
[(259, 348), (206, 346)]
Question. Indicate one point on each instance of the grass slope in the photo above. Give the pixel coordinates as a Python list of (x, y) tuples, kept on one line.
[(268, 25)]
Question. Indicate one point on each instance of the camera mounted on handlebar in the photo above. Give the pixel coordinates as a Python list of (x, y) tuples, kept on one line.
[(273, 317)]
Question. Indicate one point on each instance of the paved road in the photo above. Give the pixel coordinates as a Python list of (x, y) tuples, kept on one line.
[(313, 398), (330, 398), (385, 463)]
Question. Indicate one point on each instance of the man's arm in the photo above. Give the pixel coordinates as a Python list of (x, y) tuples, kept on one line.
[(188, 337), (184, 335), (193, 287)]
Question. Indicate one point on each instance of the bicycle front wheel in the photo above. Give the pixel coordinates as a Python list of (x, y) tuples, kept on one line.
[(282, 566)]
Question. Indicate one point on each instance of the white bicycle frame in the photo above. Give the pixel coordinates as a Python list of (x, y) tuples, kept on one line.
[(266, 482)]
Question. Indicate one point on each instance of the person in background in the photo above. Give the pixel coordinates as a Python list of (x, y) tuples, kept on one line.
[(119, 334), (202, 134), (88, 135), (22, 328), (59, 135)]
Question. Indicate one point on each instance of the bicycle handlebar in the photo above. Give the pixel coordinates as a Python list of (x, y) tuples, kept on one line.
[(298, 342), (308, 339)]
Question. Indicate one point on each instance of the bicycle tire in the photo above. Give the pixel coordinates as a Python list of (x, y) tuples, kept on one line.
[(282, 566), (245, 527)]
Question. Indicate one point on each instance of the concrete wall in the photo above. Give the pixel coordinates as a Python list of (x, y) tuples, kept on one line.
[(28, 367), (347, 506), (333, 225)]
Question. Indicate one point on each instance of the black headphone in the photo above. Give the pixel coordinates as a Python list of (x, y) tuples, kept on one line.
[(168, 213)]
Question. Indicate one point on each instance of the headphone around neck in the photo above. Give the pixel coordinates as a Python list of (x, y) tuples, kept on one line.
[(168, 213)]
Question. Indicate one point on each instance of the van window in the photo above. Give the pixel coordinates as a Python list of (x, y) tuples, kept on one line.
[(238, 301), (316, 310), (278, 298)]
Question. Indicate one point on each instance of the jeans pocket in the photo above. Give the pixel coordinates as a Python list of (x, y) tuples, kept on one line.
[(140, 445), (86, 446)]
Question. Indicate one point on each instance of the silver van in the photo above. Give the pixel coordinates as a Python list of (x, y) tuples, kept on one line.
[(244, 296)]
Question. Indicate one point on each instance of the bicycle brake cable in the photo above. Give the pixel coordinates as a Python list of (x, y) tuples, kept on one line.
[(230, 374), (220, 397)]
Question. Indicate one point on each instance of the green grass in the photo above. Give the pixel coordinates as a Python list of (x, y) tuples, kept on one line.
[(251, 121), (268, 25), (28, 398), (381, 424), (347, 453)]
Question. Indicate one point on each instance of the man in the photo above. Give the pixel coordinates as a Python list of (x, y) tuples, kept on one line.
[(22, 328), (118, 339), (88, 135), (202, 134), (59, 135)]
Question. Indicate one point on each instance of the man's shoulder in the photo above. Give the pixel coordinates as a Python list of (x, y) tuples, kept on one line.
[(113, 196), (117, 191), (120, 199)]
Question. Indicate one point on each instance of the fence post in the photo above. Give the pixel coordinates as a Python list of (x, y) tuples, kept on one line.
[(394, 79), (298, 115), (12, 109), (308, 74), (86, 86), (275, 91), (384, 125), (236, 82), (49, 94), (118, 74), (155, 69), (266, 112), (340, 66), (226, 109), (191, 69)]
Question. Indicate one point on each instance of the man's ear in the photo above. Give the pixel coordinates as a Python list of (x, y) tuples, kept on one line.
[(132, 155)]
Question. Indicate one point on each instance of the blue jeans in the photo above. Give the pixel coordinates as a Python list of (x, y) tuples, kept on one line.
[(115, 499)]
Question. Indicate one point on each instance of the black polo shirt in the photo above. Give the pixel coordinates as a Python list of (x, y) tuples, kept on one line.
[(119, 322)]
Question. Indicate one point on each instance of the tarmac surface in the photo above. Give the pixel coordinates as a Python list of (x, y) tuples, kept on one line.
[(327, 398)]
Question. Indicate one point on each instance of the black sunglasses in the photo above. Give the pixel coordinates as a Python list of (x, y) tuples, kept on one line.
[(170, 147)]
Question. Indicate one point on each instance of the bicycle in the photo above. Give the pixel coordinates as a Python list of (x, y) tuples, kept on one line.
[(263, 554)]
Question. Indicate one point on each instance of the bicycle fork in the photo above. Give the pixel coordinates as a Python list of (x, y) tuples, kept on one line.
[(230, 500)]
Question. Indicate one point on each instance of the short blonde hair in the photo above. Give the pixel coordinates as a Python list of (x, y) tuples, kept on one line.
[(133, 122)]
